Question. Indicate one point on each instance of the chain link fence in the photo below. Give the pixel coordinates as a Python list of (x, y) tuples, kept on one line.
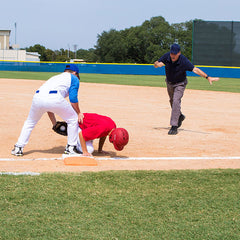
[(216, 43)]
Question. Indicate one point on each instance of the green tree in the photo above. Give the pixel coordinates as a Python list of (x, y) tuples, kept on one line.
[(61, 55), (50, 55), (182, 34), (140, 44), (136, 42), (39, 49), (159, 38), (87, 55), (111, 46), (145, 43)]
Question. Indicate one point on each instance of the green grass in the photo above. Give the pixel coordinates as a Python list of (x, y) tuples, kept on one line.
[(27, 75), (225, 84), (122, 205)]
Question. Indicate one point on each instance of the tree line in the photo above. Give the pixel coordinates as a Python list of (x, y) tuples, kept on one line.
[(140, 44)]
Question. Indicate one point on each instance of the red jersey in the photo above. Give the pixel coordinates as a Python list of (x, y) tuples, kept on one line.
[(96, 126)]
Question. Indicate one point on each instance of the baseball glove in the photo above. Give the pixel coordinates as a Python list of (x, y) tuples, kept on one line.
[(60, 128)]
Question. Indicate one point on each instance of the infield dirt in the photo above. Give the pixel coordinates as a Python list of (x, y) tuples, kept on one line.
[(211, 129)]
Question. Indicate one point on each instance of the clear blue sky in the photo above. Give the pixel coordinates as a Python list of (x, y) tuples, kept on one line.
[(59, 24)]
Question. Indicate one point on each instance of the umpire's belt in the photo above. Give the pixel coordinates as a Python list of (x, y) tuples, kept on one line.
[(50, 92)]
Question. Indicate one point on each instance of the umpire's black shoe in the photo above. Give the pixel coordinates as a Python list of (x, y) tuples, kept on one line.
[(173, 130), (180, 120)]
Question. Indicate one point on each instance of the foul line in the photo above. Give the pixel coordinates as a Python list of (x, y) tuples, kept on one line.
[(20, 173), (107, 159), (28, 159), (126, 158), (168, 158)]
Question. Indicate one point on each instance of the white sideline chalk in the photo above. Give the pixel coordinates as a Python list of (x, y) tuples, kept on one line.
[(28, 159), (20, 173), (168, 158), (127, 158)]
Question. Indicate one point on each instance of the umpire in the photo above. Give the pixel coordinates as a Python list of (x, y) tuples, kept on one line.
[(176, 66)]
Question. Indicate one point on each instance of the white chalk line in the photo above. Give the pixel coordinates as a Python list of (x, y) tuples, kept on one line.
[(126, 158), (28, 159), (107, 159), (20, 173), (168, 158)]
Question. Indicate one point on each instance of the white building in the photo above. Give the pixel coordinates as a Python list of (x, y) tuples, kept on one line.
[(13, 53), (4, 39)]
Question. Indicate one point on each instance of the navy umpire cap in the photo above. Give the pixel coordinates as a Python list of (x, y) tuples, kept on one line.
[(72, 67), (175, 48)]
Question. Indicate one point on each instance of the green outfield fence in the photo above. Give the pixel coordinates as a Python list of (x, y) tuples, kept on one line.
[(216, 43)]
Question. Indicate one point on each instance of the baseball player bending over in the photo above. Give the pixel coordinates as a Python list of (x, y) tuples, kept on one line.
[(99, 126), (176, 66), (50, 97)]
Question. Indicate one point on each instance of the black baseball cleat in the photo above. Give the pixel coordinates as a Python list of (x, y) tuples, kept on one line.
[(180, 120), (173, 130), (17, 151), (71, 150)]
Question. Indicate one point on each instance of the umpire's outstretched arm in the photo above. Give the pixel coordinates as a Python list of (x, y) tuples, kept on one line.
[(203, 74)]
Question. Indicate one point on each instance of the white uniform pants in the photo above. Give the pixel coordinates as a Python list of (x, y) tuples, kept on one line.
[(45, 102), (89, 144)]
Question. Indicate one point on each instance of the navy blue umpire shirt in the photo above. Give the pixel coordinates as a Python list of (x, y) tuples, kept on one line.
[(176, 71)]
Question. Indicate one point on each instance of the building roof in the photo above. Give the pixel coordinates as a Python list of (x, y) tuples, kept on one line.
[(33, 54), (5, 32)]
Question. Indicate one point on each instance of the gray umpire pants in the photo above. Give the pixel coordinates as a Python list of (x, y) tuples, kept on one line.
[(175, 93)]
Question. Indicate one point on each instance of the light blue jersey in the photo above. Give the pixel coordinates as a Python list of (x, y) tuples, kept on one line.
[(73, 90)]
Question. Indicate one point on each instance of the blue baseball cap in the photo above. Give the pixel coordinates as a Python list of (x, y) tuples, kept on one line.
[(72, 67), (175, 48)]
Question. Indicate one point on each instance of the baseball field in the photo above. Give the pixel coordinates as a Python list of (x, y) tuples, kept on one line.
[(208, 138), (97, 202)]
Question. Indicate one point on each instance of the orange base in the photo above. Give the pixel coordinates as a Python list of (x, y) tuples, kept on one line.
[(80, 161)]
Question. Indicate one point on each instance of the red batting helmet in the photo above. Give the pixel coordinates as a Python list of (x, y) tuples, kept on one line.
[(119, 138)]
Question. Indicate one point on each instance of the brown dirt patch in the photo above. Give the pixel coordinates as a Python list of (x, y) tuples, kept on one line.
[(211, 129)]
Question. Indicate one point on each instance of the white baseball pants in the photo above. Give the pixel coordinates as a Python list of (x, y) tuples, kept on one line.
[(46, 102), (89, 144)]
